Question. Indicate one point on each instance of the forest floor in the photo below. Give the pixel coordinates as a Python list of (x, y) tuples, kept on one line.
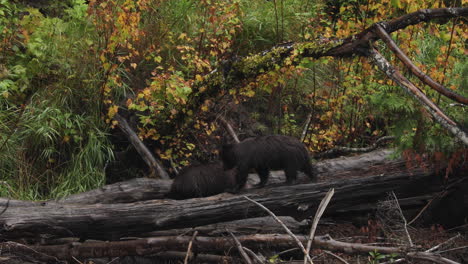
[(453, 242)]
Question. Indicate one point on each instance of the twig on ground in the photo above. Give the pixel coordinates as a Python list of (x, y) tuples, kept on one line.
[(452, 249), (405, 224), (241, 249), (189, 248), (336, 256), (257, 258), (421, 211), (318, 215), (298, 242), (110, 262), (431, 257), (77, 261), (432, 249)]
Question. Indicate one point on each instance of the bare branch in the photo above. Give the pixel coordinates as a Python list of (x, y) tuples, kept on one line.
[(241, 249), (257, 258), (422, 99), (306, 126), (189, 248), (405, 224), (229, 129), (422, 211), (318, 215), (336, 256), (431, 257), (352, 44), (298, 242), (432, 249), (144, 152), (415, 70)]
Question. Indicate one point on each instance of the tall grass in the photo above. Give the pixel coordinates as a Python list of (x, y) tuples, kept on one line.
[(53, 140)]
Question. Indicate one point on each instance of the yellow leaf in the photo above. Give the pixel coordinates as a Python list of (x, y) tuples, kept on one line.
[(112, 111), (134, 65), (198, 77)]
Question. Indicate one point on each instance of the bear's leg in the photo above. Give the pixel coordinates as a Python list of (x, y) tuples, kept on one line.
[(263, 173), (241, 179), (291, 174), (309, 171)]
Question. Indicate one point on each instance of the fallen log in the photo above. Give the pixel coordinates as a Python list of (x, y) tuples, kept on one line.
[(172, 247), (149, 246), (112, 221), (139, 189), (13, 253), (142, 189), (256, 225)]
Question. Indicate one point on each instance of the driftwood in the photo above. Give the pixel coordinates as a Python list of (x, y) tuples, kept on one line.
[(146, 189), (112, 221)]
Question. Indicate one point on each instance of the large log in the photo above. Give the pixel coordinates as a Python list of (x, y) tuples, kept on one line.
[(139, 189), (146, 189), (112, 221)]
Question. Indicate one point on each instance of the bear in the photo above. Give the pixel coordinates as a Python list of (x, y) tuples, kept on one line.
[(201, 181), (265, 153)]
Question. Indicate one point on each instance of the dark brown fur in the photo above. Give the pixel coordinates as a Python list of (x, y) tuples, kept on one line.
[(201, 181), (267, 153)]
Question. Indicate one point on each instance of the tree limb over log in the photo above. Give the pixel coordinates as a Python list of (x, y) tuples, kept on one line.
[(351, 45), (111, 221), (415, 70), (255, 65), (252, 66), (409, 87)]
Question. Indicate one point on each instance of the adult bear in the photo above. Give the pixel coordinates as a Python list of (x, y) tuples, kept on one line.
[(265, 153), (201, 181)]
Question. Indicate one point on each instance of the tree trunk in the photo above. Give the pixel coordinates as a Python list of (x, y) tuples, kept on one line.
[(146, 189)]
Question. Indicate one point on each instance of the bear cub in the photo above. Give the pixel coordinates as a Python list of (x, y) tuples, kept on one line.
[(201, 181), (265, 153)]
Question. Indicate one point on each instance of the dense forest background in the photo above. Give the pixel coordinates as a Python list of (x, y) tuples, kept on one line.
[(67, 68)]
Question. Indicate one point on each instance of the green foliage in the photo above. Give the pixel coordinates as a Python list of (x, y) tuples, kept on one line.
[(375, 257), (52, 139)]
